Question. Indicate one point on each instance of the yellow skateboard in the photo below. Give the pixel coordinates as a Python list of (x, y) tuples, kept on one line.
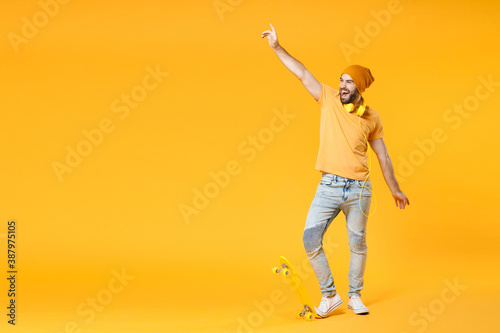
[(308, 312)]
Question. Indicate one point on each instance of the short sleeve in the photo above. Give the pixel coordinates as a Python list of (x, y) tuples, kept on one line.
[(378, 129), (327, 95), (322, 96)]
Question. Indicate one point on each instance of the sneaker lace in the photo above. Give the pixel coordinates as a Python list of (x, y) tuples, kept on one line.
[(322, 304), (357, 301)]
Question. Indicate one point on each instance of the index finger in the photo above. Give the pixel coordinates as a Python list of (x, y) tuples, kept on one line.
[(272, 27)]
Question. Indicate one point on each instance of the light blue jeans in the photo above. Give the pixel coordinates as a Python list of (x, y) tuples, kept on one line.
[(335, 194)]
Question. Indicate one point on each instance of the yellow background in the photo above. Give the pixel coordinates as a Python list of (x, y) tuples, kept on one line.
[(120, 208)]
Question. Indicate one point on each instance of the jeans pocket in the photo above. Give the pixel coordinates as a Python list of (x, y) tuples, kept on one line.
[(326, 181), (365, 187)]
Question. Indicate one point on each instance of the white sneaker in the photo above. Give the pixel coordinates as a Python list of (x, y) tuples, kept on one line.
[(327, 305), (356, 305)]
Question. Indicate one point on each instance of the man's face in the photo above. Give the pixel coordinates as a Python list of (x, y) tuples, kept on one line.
[(347, 89)]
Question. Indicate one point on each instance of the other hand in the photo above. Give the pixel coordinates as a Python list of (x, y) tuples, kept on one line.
[(401, 199)]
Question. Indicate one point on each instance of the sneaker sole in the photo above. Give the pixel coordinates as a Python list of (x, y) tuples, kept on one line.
[(358, 311), (336, 305)]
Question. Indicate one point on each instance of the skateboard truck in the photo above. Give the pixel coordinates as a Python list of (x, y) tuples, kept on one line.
[(306, 313)]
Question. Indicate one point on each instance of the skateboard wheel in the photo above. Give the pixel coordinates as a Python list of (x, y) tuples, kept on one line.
[(285, 272), (309, 316), (276, 270), (299, 314)]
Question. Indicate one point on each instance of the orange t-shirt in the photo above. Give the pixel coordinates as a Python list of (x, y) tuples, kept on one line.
[(342, 145)]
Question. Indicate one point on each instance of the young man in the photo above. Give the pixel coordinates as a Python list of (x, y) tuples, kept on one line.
[(347, 126)]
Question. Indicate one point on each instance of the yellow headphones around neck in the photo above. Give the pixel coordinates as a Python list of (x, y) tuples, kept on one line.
[(362, 108), (349, 107)]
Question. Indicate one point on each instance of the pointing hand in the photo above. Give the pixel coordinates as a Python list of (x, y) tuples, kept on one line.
[(272, 37)]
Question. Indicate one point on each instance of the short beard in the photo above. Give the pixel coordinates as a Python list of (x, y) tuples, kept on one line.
[(351, 98)]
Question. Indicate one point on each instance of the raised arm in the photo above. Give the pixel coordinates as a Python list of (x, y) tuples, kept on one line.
[(380, 149), (296, 67)]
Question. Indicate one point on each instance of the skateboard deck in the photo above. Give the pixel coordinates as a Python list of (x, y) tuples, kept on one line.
[(307, 312)]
